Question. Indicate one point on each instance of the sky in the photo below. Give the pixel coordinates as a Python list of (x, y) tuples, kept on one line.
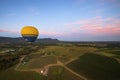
[(67, 20)]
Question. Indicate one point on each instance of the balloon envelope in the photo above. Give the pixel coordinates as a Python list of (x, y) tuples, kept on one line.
[(29, 33)]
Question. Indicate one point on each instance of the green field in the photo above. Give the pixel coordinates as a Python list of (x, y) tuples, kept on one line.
[(11, 74), (91, 62), (65, 53), (59, 73), (96, 67), (38, 61), (55, 73), (113, 53)]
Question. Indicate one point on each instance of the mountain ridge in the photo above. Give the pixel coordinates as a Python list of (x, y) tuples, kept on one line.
[(21, 40)]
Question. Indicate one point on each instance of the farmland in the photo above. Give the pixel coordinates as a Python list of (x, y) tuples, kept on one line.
[(98, 66), (11, 74), (64, 62), (38, 62), (59, 73), (65, 53)]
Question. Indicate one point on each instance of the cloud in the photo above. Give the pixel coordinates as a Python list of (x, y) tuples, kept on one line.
[(84, 21), (96, 26), (14, 31), (114, 3), (46, 33), (51, 33), (8, 31)]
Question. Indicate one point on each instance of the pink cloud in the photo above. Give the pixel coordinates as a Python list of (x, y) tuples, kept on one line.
[(40, 32), (9, 31), (85, 21), (107, 29), (97, 26), (50, 33)]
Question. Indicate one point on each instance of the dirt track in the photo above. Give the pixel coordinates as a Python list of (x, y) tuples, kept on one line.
[(38, 70)]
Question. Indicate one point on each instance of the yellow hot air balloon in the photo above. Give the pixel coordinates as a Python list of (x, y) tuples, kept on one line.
[(29, 33)]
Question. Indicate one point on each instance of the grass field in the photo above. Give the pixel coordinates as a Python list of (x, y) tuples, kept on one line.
[(37, 61), (59, 73), (96, 67), (113, 53), (65, 53), (11, 74), (92, 63), (55, 73)]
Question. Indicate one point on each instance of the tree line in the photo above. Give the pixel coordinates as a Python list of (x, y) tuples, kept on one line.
[(8, 60)]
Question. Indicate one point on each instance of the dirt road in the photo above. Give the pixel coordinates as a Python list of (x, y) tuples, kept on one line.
[(38, 70)]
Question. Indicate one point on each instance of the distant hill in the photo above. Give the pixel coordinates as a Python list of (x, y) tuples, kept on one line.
[(52, 41), (10, 40), (21, 40), (47, 40)]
